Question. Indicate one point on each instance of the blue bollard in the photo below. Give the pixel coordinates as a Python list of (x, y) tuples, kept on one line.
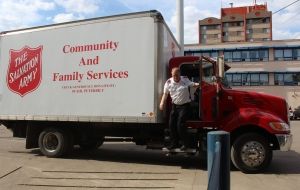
[(218, 160)]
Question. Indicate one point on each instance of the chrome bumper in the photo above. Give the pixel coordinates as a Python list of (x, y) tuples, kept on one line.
[(285, 141)]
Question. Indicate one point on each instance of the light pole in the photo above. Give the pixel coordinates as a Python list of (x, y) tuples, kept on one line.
[(180, 25)]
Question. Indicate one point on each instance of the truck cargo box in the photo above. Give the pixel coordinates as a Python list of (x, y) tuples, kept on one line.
[(109, 69)]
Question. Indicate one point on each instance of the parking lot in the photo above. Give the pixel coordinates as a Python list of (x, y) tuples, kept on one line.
[(127, 166)]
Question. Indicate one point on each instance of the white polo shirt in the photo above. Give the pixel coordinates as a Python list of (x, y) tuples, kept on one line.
[(178, 91)]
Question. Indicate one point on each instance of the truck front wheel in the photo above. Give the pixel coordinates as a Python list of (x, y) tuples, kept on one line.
[(251, 153), (54, 142)]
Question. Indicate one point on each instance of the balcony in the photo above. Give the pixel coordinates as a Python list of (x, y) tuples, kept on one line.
[(233, 38), (259, 35), (213, 40), (215, 31), (233, 28), (258, 25)]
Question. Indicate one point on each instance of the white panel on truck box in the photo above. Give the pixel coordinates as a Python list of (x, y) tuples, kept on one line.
[(91, 69)]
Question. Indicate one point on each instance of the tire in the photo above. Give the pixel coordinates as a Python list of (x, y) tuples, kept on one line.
[(92, 144), (251, 153), (55, 142)]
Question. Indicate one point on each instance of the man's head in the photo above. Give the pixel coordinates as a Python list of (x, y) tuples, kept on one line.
[(176, 74)]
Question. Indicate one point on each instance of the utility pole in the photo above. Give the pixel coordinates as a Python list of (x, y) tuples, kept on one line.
[(180, 25)]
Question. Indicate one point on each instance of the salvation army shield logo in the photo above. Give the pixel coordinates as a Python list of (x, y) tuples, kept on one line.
[(24, 72)]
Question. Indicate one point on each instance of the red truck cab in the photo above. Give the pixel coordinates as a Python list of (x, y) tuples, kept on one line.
[(258, 123)]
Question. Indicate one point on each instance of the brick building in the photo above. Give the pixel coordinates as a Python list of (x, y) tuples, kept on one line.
[(258, 63), (237, 24)]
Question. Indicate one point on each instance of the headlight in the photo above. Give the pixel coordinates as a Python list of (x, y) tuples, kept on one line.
[(278, 126)]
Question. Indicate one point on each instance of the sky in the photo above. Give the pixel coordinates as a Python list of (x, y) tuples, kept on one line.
[(16, 14)]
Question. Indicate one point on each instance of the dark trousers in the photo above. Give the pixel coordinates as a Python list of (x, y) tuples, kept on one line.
[(178, 116)]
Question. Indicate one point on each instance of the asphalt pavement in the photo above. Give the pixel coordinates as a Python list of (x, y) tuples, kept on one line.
[(127, 166)]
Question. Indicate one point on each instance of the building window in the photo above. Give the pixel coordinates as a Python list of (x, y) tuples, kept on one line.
[(236, 24), (262, 55), (228, 77), (237, 79), (266, 20), (214, 54), (213, 27), (287, 54), (236, 56), (254, 79), (206, 54), (246, 55), (266, 30), (278, 54), (287, 79), (278, 79), (203, 53), (296, 54), (264, 79), (247, 79), (228, 56)]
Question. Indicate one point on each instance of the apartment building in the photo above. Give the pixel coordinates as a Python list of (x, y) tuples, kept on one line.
[(271, 67), (237, 24)]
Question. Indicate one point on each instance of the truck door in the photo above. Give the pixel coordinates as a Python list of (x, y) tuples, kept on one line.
[(204, 99), (206, 71), (209, 93)]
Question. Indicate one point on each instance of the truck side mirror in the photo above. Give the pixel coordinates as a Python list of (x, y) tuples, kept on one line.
[(221, 66)]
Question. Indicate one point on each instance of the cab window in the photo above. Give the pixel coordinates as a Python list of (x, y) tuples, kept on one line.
[(191, 70), (208, 72)]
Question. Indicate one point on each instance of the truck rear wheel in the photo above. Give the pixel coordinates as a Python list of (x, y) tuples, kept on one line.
[(251, 153), (55, 142)]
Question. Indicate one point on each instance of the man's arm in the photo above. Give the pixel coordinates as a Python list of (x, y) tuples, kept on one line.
[(190, 83), (163, 101)]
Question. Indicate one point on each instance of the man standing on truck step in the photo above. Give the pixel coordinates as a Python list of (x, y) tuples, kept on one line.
[(179, 89)]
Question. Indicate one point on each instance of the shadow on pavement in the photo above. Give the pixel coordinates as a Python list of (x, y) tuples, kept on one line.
[(282, 163), (130, 153), (285, 163)]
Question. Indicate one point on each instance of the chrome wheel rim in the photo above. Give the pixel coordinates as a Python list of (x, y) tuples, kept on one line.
[(51, 142), (253, 153)]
